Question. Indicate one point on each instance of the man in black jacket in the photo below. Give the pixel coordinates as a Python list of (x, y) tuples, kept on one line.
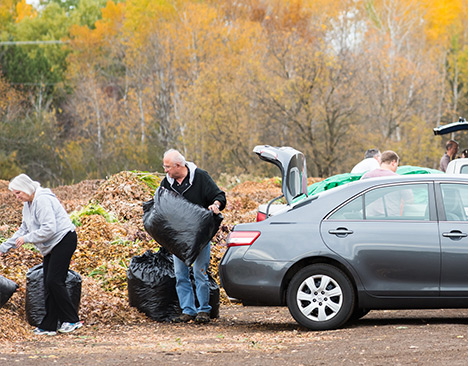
[(196, 186)]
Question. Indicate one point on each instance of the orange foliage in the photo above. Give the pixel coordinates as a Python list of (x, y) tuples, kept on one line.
[(24, 10), (444, 18)]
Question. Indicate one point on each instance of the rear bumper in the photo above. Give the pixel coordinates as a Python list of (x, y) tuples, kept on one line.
[(251, 282)]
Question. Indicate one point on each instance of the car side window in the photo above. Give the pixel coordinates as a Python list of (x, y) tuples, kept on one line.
[(351, 211), (455, 200), (402, 202)]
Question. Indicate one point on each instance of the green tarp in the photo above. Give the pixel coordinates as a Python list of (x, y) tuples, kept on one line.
[(340, 179)]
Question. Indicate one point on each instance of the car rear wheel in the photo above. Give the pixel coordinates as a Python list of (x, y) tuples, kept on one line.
[(320, 297)]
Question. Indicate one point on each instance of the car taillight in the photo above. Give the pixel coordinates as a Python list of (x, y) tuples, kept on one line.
[(261, 216), (237, 238)]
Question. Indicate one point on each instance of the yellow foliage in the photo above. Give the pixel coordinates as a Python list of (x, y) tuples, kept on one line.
[(106, 29), (10, 100), (198, 73), (416, 148), (444, 18), (7, 12), (24, 10)]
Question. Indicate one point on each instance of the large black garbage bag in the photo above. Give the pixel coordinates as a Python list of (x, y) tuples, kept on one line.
[(35, 298), (151, 285), (7, 289), (180, 226)]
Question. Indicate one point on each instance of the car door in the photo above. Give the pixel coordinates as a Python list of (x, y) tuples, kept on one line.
[(453, 205), (389, 235)]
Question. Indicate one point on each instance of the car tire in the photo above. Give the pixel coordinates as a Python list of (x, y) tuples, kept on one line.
[(320, 297)]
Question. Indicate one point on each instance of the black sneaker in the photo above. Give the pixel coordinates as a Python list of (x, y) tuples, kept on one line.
[(202, 318), (183, 318)]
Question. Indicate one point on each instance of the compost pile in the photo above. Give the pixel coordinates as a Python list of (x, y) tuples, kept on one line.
[(108, 214)]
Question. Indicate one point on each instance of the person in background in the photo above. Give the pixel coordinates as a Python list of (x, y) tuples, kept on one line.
[(464, 154), (392, 203), (451, 149), (371, 161), (196, 186), (47, 225), (388, 165)]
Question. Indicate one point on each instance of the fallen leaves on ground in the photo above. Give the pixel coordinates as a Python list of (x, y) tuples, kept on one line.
[(106, 248)]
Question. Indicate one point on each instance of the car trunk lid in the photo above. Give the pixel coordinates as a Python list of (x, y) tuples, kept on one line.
[(292, 164)]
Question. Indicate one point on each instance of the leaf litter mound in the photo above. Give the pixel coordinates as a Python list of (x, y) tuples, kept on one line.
[(105, 247)]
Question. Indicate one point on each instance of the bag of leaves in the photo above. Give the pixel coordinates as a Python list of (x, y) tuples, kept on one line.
[(180, 226), (214, 298), (7, 289), (35, 297), (151, 285)]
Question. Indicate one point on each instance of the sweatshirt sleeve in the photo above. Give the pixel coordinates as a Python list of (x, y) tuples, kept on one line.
[(11, 243), (46, 217), (214, 193)]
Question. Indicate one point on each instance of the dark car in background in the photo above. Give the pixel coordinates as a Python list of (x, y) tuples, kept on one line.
[(398, 242)]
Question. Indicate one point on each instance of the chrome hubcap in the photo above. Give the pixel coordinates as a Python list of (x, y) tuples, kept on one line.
[(319, 298)]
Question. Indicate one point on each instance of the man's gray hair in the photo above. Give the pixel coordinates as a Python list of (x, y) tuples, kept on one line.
[(371, 153), (177, 157)]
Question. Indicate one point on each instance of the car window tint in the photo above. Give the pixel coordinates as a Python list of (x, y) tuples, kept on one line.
[(403, 202), (455, 200), (294, 181), (464, 169), (350, 211)]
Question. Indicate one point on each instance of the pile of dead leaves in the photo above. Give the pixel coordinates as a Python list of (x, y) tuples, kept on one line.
[(124, 194), (105, 247), (10, 207)]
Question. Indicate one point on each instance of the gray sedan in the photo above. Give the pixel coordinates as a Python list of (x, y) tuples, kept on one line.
[(384, 243)]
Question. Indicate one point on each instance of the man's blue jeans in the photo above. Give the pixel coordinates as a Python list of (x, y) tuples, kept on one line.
[(184, 285)]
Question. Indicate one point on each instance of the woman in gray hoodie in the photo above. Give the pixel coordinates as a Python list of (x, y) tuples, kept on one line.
[(47, 225)]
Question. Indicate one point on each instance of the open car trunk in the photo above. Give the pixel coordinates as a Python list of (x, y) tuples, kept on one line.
[(292, 164), (462, 124)]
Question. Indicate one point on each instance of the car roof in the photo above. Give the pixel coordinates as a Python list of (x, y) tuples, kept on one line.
[(363, 184), (411, 178), (334, 196)]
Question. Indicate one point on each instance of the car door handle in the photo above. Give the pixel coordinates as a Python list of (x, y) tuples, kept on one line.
[(341, 231), (455, 234)]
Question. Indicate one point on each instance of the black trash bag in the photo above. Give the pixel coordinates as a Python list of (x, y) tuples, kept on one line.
[(214, 294), (35, 298), (180, 226), (214, 298), (7, 289), (151, 285)]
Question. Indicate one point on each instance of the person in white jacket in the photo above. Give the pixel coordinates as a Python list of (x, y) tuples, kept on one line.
[(47, 225), (372, 160)]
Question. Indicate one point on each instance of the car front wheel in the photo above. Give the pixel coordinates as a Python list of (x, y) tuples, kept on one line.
[(320, 297)]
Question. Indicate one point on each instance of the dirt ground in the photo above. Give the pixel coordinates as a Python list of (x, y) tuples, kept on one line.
[(258, 336), (241, 336)]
